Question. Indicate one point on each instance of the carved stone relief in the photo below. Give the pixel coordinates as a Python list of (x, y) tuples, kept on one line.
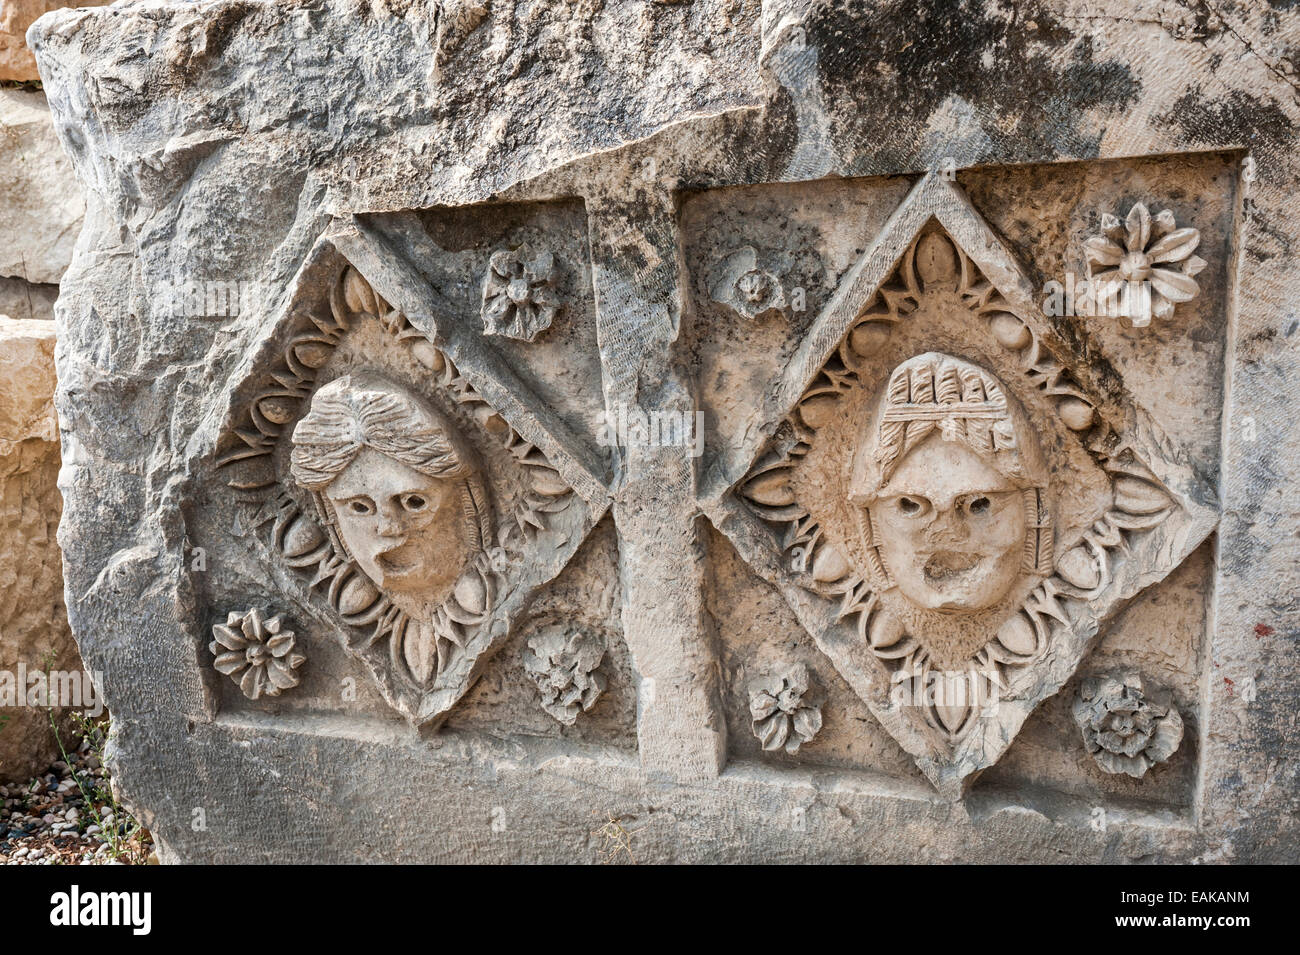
[(1128, 724), (260, 654), (786, 709), (564, 662), (401, 497), (365, 445), (519, 295), (1143, 265), (922, 502), (961, 571), (749, 290)]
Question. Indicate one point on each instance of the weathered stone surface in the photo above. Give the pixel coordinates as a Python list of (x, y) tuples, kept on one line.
[(23, 299), (40, 209), (16, 59), (34, 634), (360, 514)]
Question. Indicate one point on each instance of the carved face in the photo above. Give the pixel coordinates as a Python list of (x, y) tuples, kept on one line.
[(405, 529), (950, 528), (396, 483)]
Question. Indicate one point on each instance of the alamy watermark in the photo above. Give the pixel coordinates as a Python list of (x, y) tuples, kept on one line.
[(200, 298), (626, 427), (978, 690), (1081, 298), (73, 689)]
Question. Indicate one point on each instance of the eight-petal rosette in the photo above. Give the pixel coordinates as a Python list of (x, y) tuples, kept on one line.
[(256, 653)]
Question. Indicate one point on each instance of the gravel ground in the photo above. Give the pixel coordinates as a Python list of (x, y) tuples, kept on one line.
[(67, 817)]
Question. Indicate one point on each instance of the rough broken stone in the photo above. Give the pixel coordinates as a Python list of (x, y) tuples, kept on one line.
[(34, 634), (40, 208), (935, 478)]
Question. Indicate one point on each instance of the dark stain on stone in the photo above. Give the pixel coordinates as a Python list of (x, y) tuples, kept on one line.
[(1237, 119), (892, 68)]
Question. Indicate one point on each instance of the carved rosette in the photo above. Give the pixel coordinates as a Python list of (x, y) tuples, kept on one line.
[(257, 653), (1144, 265), (1128, 724), (785, 709), (747, 289), (520, 299), (564, 663)]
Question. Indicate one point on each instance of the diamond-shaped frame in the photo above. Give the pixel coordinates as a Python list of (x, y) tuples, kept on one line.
[(1162, 507), (568, 494)]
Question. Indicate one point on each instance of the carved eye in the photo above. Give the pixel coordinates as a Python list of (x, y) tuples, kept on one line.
[(360, 506), (979, 506), (911, 506), (414, 502)]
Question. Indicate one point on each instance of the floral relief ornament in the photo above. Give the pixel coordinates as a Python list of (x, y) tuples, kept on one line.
[(785, 710), (564, 664), (751, 292), (520, 299), (257, 654), (1144, 265), (1127, 727)]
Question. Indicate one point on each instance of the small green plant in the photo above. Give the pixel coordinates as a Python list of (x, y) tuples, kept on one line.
[(119, 836)]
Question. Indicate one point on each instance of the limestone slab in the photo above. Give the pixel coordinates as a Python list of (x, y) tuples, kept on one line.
[(758, 426)]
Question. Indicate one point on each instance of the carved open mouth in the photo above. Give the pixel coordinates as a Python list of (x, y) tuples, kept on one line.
[(396, 562), (948, 564)]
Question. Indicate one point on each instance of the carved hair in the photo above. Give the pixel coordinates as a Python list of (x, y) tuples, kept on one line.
[(365, 411), (962, 401)]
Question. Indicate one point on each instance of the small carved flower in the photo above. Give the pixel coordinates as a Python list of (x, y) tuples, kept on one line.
[(784, 712), (563, 661), (1126, 728), (745, 288), (257, 654), (1146, 261), (519, 295)]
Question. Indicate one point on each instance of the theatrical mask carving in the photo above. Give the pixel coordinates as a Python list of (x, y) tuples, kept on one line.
[(950, 485), (400, 493)]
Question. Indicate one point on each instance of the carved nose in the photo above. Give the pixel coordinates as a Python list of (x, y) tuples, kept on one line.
[(388, 525), (948, 528)]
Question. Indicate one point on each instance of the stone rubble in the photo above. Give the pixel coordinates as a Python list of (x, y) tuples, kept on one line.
[(65, 816)]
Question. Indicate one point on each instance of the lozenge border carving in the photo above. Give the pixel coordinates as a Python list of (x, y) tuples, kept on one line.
[(1151, 488), (473, 619)]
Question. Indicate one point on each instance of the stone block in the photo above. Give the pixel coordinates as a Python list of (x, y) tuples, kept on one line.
[(713, 431), (40, 204), (34, 634)]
